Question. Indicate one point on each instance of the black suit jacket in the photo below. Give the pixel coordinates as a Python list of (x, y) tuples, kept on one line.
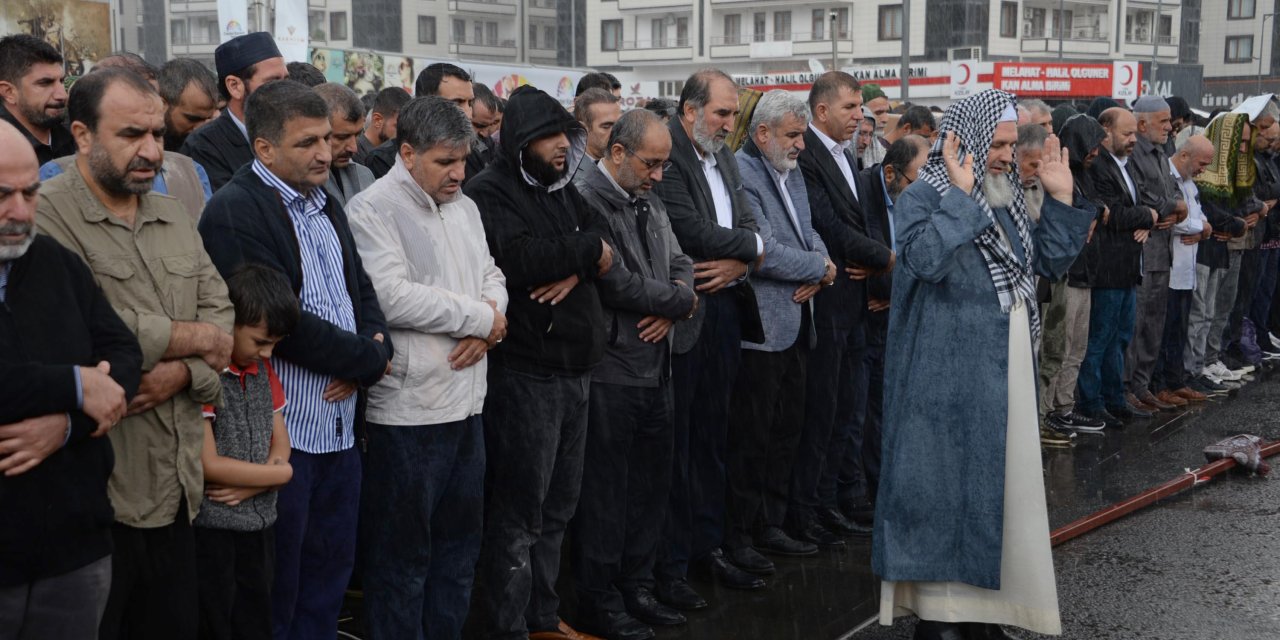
[(879, 286), (220, 148), (1115, 258), (838, 217), (691, 209)]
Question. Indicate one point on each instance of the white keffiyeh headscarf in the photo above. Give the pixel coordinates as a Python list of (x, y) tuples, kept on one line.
[(974, 121)]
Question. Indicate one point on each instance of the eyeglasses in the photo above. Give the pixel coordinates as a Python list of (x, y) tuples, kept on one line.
[(650, 165)]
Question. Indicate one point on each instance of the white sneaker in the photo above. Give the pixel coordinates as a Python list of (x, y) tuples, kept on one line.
[(1245, 369), (1223, 372), (1275, 340), (1211, 375)]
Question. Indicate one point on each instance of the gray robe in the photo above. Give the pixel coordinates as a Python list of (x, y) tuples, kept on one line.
[(939, 510)]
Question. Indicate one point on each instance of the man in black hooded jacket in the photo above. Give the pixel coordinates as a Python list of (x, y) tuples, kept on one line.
[(552, 246)]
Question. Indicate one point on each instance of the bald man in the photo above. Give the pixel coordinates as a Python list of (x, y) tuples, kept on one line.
[(1115, 268), (67, 366)]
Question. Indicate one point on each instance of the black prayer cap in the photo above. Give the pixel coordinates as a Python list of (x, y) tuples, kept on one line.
[(243, 51)]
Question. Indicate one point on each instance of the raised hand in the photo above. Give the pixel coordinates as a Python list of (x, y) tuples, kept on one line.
[(960, 174), (1055, 172)]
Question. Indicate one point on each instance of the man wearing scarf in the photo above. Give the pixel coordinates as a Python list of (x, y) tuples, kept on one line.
[(1226, 195), (956, 547), (1066, 317)]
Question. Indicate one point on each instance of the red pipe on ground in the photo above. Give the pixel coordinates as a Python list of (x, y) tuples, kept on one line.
[(1124, 508)]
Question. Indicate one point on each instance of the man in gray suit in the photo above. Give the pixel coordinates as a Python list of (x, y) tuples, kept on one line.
[(346, 116), (768, 399), (709, 215)]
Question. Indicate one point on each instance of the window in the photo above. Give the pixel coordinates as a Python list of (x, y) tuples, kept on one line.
[(732, 28), (426, 29), (1166, 30), (1008, 19), (315, 25), (682, 32), (1138, 26), (1240, 9), (549, 38), (178, 32), (658, 33), (819, 21), (338, 25), (890, 22), (491, 34), (610, 35), (757, 27), (533, 36), (477, 30), (1062, 21), (459, 31), (781, 25), (1033, 22), (1239, 49), (842, 23)]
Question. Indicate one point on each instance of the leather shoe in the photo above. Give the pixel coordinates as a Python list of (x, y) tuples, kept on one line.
[(749, 560), (933, 630), (774, 540), (616, 625), (835, 522), (1153, 401), (1109, 421), (1171, 398), (729, 576), (643, 606), (813, 532), (1134, 412), (861, 512), (573, 634), (1190, 395), (679, 595)]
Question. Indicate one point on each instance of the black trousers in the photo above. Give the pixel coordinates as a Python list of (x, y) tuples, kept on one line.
[(153, 582), (702, 381), (626, 481), (235, 569), (1170, 373), (1250, 272), (766, 418), (833, 382)]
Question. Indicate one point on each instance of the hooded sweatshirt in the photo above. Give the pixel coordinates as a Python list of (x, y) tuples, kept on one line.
[(539, 234), (1081, 134)]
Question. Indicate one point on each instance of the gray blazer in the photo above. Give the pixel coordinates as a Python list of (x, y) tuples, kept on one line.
[(355, 178), (794, 254)]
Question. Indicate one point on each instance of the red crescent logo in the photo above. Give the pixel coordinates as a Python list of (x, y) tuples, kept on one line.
[(966, 74), (1128, 71)]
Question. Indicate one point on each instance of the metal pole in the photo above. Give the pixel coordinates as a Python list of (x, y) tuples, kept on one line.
[(1155, 45), (906, 50), (573, 33), (1262, 39), (1061, 13), (835, 65)]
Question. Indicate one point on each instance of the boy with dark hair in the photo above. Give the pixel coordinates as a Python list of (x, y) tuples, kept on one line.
[(245, 458)]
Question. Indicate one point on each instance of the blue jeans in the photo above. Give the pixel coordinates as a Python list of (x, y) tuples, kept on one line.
[(315, 544), (1101, 380), (422, 518)]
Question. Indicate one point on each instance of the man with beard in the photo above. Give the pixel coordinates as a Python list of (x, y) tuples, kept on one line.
[(1156, 189), (834, 408), (866, 133), (768, 402), (709, 214), (276, 213), (959, 548), (1226, 196), (146, 255), (627, 471), (244, 63), (67, 368), (380, 127), (1030, 153), (1035, 112), (1116, 270), (553, 247), (346, 116), (1066, 316), (422, 243), (34, 99), (190, 93), (1169, 379)]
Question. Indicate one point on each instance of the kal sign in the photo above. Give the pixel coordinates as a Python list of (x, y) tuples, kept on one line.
[(1120, 80)]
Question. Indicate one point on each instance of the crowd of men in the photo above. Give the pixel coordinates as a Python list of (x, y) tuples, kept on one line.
[(455, 336)]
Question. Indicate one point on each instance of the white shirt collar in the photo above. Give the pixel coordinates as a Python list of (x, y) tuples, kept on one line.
[(1123, 162), (243, 129), (1174, 168), (834, 147)]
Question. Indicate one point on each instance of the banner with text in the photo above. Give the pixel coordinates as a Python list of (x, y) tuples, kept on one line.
[(1069, 80), (291, 29)]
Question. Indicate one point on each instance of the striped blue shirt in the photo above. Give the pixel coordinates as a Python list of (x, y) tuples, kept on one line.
[(315, 425)]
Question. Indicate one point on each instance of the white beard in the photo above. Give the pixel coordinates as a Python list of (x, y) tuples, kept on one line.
[(998, 191)]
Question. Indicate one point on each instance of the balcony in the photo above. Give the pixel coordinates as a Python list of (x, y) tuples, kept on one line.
[(491, 49), (655, 51), (483, 7), (1079, 42), (541, 8), (652, 5), (784, 46)]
